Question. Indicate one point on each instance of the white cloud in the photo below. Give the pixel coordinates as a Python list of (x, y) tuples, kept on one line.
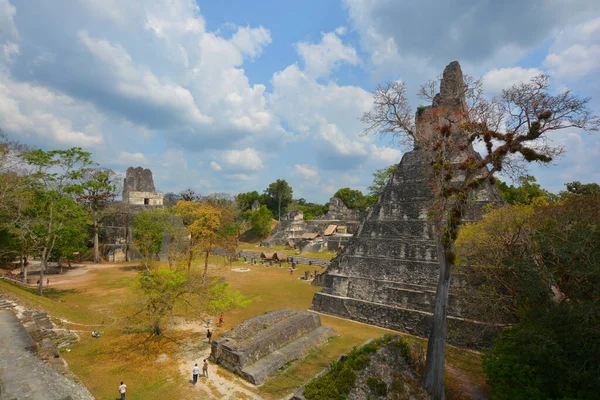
[(473, 33), (306, 171), (127, 158), (503, 78), (8, 28), (574, 62), (29, 110), (386, 155), (138, 84), (575, 52), (215, 165), (251, 41), (321, 59), (242, 160)]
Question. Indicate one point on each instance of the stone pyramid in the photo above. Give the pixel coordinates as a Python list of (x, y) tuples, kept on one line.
[(387, 274)]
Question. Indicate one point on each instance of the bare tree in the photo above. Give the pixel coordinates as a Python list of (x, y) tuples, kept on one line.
[(516, 123)]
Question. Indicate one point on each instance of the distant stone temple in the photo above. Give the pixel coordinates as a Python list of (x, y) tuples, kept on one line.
[(138, 188), (326, 232), (260, 346), (139, 194), (388, 272)]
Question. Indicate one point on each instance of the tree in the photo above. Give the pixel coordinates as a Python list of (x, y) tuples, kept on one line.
[(381, 177), (525, 193), (354, 199), (311, 210), (209, 227), (279, 195), (539, 265), (56, 177), (149, 229), (260, 221), (98, 188), (579, 188), (244, 201), (515, 124), (165, 291)]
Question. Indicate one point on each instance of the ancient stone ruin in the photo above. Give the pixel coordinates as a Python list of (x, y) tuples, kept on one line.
[(139, 193), (138, 188), (328, 231), (260, 346), (387, 274)]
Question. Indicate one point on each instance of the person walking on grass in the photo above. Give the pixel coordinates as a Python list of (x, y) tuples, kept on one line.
[(122, 390), (209, 335), (205, 369), (221, 319), (195, 373)]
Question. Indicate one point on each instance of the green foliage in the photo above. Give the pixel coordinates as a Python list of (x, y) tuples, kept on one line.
[(278, 196), (260, 221), (311, 210), (538, 267), (355, 199), (578, 188), (244, 201), (164, 291), (341, 377), (381, 177), (149, 228), (525, 193), (552, 354), (377, 386)]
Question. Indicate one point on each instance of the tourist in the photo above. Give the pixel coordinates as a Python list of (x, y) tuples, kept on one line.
[(48, 282), (95, 334), (207, 322), (122, 390), (209, 335), (195, 372), (205, 368), (221, 319)]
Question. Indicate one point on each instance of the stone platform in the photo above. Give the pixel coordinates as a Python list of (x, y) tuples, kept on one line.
[(260, 346)]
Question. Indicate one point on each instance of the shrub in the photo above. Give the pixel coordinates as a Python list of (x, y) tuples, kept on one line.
[(377, 386)]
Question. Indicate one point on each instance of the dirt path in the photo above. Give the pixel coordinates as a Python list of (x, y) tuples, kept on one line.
[(220, 384), (469, 390)]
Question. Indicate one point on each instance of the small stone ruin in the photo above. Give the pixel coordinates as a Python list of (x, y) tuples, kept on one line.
[(260, 346), (138, 188), (326, 232)]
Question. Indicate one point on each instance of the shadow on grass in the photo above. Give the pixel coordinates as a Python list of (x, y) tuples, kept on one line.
[(51, 293), (127, 268)]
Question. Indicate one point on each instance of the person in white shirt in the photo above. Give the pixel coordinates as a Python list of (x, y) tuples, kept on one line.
[(195, 372), (122, 390)]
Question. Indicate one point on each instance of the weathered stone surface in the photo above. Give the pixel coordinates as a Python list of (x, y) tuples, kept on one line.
[(260, 346), (138, 188), (23, 375), (292, 227), (388, 272)]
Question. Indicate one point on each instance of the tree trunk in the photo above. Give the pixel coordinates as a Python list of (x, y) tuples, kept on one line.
[(96, 244), (42, 270), (23, 268), (436, 347), (205, 267)]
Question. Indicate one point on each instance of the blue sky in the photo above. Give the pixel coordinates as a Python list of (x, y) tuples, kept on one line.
[(227, 96)]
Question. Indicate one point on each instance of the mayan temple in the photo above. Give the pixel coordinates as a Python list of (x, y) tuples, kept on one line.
[(388, 273)]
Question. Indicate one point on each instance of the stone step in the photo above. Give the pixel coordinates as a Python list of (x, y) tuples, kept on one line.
[(258, 372), (4, 304)]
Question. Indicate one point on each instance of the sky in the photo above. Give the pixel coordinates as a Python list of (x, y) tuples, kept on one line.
[(230, 95)]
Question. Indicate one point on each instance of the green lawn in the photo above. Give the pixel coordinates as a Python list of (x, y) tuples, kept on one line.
[(104, 298)]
